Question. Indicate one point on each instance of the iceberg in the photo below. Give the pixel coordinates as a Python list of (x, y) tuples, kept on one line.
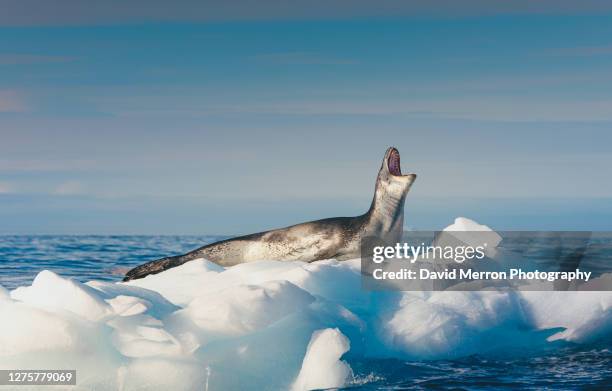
[(271, 325)]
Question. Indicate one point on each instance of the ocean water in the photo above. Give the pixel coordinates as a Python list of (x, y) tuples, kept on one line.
[(106, 258), (570, 368), (85, 257)]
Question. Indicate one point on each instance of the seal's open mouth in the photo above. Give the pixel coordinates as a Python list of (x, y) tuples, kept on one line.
[(393, 163)]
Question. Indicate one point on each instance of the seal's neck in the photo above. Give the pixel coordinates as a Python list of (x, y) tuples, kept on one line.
[(386, 214), (385, 218)]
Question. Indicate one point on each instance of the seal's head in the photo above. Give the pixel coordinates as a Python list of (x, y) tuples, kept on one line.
[(390, 175)]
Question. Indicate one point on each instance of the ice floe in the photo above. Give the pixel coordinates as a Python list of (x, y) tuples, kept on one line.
[(270, 325)]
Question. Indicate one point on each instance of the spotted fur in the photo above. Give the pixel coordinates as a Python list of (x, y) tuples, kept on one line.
[(337, 237)]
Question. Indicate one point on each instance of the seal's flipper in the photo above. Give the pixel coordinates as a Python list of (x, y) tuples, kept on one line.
[(152, 267)]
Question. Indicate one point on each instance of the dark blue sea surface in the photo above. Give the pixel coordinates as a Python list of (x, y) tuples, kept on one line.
[(106, 258), (85, 257), (570, 368)]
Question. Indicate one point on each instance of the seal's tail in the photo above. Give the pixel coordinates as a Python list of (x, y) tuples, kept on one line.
[(152, 267)]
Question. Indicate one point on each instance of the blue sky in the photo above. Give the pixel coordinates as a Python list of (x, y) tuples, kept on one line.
[(235, 119)]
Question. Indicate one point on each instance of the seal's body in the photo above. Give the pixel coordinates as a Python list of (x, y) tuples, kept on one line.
[(337, 237)]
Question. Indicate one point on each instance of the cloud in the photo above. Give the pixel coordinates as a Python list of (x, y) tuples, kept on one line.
[(75, 12), (302, 58), (69, 188), (11, 102), (580, 51), (488, 109), (21, 59), (17, 165), (6, 188)]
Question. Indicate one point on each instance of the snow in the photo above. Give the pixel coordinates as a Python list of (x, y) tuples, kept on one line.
[(271, 325)]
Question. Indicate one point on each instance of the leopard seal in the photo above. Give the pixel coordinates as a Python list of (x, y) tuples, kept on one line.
[(336, 237)]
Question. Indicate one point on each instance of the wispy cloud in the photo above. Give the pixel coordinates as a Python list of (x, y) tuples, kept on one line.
[(302, 58), (69, 188), (11, 102), (580, 51), (488, 108), (30, 187), (22, 59), (70, 12), (17, 165), (6, 188)]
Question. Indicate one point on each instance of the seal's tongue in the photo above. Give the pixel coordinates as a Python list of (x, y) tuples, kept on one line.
[(393, 163)]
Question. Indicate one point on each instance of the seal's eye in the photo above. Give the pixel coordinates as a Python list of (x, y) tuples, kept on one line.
[(393, 163)]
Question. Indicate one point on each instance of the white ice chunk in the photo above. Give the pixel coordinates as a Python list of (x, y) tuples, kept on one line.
[(4, 294), (52, 292), (25, 329), (585, 316), (479, 233), (245, 308), (181, 284), (322, 367)]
